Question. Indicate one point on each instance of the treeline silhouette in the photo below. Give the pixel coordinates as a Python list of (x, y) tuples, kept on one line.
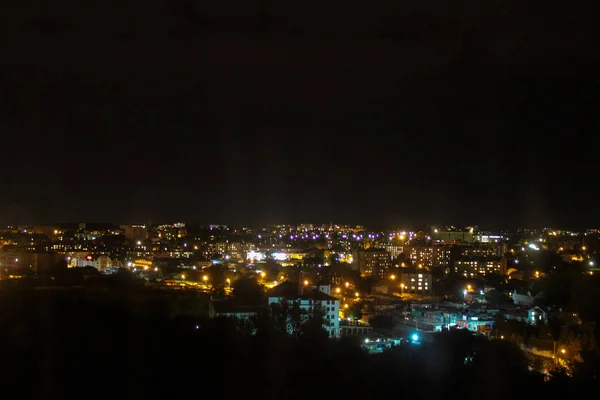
[(124, 343)]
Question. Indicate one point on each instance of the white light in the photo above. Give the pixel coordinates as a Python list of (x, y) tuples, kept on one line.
[(254, 255)]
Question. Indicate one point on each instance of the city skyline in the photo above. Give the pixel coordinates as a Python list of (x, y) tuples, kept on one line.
[(293, 224), (300, 199)]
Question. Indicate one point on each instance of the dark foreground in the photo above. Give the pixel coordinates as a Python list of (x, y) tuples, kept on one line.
[(70, 344)]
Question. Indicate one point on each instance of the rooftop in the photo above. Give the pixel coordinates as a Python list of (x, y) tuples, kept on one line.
[(291, 291)]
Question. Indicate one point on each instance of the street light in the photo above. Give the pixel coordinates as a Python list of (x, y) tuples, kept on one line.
[(263, 274), (305, 283), (205, 278), (468, 287), (357, 294), (392, 277), (347, 284), (563, 351), (338, 290)]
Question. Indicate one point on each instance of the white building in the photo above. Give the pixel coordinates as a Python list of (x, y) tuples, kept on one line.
[(309, 299), (101, 262), (522, 299)]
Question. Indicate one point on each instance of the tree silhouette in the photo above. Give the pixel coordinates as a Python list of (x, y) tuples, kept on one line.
[(248, 291), (354, 311)]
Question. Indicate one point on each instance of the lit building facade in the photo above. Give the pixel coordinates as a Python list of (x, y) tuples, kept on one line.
[(372, 263), (420, 256), (477, 267), (479, 251), (416, 282), (101, 262)]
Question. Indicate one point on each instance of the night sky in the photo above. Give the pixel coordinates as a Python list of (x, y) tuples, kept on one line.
[(244, 112)]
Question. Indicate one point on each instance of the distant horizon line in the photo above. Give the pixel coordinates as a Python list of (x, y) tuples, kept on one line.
[(415, 227)]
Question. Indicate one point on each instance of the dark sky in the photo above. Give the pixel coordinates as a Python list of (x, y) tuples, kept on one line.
[(382, 114)]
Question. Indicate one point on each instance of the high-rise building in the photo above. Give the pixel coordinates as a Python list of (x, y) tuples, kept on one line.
[(135, 233), (477, 267), (372, 263), (420, 256)]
